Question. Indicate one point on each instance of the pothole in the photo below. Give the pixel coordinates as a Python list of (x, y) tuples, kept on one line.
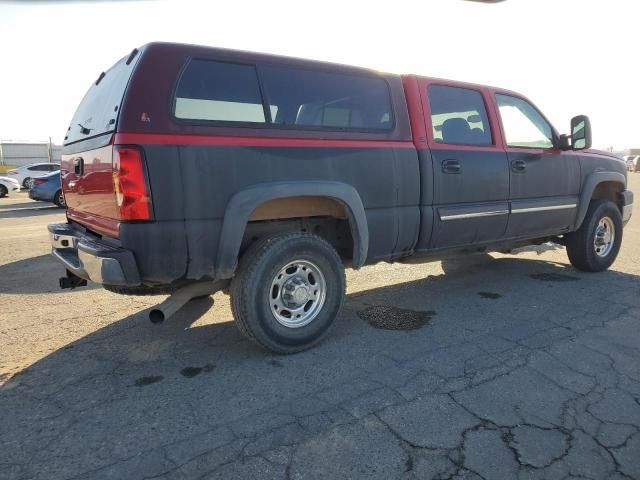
[(491, 295), (150, 380), (191, 372), (553, 277), (394, 318)]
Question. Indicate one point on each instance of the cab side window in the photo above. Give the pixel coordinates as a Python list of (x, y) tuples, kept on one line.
[(523, 125), (458, 116)]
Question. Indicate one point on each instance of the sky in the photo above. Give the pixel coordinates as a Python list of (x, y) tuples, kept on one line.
[(569, 56)]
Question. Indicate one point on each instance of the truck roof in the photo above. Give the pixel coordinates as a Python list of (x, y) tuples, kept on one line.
[(246, 55)]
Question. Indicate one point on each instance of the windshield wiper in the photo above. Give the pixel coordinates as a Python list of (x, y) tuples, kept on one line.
[(84, 130)]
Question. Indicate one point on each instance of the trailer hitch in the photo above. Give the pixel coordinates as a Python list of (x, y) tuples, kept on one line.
[(71, 281)]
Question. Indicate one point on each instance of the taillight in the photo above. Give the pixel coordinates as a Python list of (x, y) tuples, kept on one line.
[(12, 172), (129, 182), (39, 181)]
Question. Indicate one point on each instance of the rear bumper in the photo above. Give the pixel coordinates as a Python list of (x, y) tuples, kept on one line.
[(38, 196), (626, 199), (90, 258)]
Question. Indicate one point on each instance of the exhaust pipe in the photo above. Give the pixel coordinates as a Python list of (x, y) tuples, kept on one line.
[(181, 296)]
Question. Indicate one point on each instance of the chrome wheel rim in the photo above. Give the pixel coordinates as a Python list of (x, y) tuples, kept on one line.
[(297, 293), (604, 237), (28, 183), (61, 199)]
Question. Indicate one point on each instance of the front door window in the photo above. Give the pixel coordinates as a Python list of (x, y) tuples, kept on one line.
[(523, 125)]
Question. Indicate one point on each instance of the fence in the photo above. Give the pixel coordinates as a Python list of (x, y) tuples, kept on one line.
[(24, 153)]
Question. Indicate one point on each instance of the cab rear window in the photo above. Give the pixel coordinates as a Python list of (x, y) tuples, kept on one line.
[(458, 116)]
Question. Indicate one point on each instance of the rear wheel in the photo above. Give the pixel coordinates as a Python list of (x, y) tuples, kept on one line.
[(595, 245), (3, 191), (287, 291), (58, 199), (27, 183)]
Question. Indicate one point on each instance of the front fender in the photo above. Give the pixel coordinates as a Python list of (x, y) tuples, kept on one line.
[(590, 185), (244, 202)]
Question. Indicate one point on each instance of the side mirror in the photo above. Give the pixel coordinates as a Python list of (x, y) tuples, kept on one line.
[(580, 132)]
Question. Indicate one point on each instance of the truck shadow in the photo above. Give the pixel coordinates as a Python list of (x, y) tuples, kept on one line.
[(21, 205), (33, 276), (135, 386), (32, 211)]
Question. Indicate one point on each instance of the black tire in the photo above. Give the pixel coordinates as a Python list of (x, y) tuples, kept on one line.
[(580, 244), (3, 191), (58, 199), (252, 291), (27, 183)]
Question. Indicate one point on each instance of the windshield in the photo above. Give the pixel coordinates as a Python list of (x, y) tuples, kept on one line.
[(97, 114)]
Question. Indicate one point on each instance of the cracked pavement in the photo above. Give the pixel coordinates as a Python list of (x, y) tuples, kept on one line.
[(497, 367)]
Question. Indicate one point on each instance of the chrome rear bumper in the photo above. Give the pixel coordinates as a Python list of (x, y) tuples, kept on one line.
[(90, 258), (627, 211), (627, 205)]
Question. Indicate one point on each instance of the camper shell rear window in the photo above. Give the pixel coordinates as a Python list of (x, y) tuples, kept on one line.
[(98, 111)]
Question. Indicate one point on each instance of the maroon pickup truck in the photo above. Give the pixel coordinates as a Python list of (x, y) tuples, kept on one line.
[(188, 165)]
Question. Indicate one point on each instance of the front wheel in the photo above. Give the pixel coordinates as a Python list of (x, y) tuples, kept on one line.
[(3, 191), (595, 245), (287, 291)]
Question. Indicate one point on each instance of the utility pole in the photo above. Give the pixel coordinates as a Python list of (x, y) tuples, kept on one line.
[(49, 152), (1, 154)]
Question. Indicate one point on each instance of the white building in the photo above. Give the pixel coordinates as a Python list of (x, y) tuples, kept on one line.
[(24, 153)]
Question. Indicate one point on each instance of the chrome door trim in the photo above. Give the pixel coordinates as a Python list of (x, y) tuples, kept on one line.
[(460, 216), (545, 208)]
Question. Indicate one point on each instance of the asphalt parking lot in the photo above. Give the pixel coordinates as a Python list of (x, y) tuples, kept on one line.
[(489, 366)]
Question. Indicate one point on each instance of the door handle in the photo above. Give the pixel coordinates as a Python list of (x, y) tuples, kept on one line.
[(78, 166), (518, 165), (451, 166)]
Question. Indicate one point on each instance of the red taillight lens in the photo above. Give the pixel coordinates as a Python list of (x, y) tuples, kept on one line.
[(38, 181), (130, 184)]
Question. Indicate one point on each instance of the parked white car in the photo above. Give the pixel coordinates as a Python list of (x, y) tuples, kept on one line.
[(8, 185), (25, 175)]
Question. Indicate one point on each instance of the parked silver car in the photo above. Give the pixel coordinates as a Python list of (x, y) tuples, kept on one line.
[(25, 174)]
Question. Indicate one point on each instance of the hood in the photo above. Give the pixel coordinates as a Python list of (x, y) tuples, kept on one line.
[(603, 153)]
